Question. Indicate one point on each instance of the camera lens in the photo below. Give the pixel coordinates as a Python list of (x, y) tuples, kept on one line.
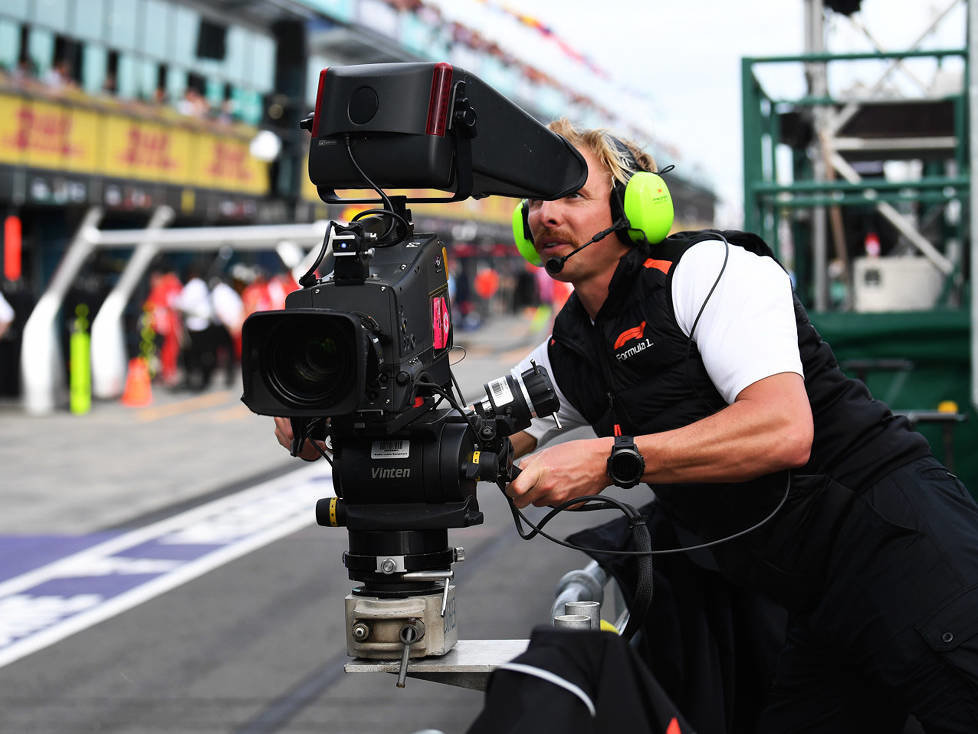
[(312, 360)]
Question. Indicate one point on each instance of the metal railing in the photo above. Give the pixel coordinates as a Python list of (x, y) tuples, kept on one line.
[(42, 363)]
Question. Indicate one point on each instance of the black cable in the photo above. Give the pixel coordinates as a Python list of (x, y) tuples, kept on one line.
[(517, 515), (465, 354), (381, 240), (630, 512), (304, 435), (723, 267), (363, 175), (389, 207), (633, 512), (451, 401), (310, 277), (696, 321), (321, 450)]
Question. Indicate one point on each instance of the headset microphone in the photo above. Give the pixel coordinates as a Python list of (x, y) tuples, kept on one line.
[(556, 264)]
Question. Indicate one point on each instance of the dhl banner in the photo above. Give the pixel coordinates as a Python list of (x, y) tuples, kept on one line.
[(223, 163), (65, 137), (47, 135), (145, 150)]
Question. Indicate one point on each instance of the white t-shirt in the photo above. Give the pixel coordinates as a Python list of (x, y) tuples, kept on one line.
[(195, 303), (228, 306), (747, 330)]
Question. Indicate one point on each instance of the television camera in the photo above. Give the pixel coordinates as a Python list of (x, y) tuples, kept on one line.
[(359, 357)]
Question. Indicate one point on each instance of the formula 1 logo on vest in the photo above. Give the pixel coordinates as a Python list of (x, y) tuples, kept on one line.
[(629, 335)]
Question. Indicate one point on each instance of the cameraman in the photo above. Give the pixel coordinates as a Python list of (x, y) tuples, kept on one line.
[(727, 402)]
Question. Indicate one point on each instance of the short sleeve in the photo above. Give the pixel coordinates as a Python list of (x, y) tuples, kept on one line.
[(747, 330)]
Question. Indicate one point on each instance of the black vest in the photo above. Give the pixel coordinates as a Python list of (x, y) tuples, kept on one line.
[(633, 367)]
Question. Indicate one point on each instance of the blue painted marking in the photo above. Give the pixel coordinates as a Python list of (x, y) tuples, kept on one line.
[(169, 551), (22, 553), (53, 586), (105, 586)]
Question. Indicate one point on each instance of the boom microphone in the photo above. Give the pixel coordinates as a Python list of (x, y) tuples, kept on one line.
[(556, 264)]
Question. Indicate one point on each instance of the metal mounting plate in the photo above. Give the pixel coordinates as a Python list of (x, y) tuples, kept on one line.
[(466, 665)]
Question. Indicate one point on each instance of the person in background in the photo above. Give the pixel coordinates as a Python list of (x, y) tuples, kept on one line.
[(486, 284), (279, 286), (59, 77), (164, 288), (229, 312), (194, 303), (255, 296), (193, 104)]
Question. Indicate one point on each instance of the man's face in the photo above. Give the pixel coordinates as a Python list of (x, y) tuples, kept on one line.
[(560, 226)]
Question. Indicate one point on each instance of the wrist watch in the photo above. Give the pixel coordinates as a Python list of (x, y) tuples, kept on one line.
[(626, 465)]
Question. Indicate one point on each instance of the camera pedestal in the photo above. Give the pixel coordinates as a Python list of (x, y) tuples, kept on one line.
[(417, 637), (379, 628), (467, 665)]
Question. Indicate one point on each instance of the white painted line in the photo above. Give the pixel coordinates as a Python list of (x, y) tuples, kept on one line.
[(274, 509)]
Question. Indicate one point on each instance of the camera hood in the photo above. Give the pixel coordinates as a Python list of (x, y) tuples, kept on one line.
[(432, 125)]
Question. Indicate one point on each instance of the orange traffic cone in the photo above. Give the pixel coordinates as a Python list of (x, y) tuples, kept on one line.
[(138, 391)]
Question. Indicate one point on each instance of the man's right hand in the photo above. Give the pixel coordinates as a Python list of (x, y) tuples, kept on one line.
[(284, 435)]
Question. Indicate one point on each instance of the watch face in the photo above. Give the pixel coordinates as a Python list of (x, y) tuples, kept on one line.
[(624, 465)]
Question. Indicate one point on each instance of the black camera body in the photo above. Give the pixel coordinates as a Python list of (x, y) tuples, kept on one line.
[(352, 349)]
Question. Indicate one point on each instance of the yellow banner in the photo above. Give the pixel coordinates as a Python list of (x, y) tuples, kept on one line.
[(143, 150), (223, 163), (83, 139), (47, 135)]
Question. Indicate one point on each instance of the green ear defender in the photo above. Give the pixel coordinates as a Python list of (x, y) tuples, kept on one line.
[(648, 208), (641, 209), (521, 234)]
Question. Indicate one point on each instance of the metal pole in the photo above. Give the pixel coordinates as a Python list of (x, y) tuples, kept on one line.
[(109, 358), (578, 585), (818, 88), (254, 237), (41, 362), (904, 225), (847, 112), (973, 131)]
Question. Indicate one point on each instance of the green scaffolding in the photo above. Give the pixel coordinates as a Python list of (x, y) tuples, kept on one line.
[(914, 361)]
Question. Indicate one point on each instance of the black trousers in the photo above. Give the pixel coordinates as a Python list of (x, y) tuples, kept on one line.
[(896, 630), (199, 359)]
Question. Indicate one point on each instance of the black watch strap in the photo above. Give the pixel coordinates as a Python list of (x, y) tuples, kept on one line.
[(624, 451), (625, 441)]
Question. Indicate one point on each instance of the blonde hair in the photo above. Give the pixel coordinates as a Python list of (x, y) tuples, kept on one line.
[(606, 147)]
